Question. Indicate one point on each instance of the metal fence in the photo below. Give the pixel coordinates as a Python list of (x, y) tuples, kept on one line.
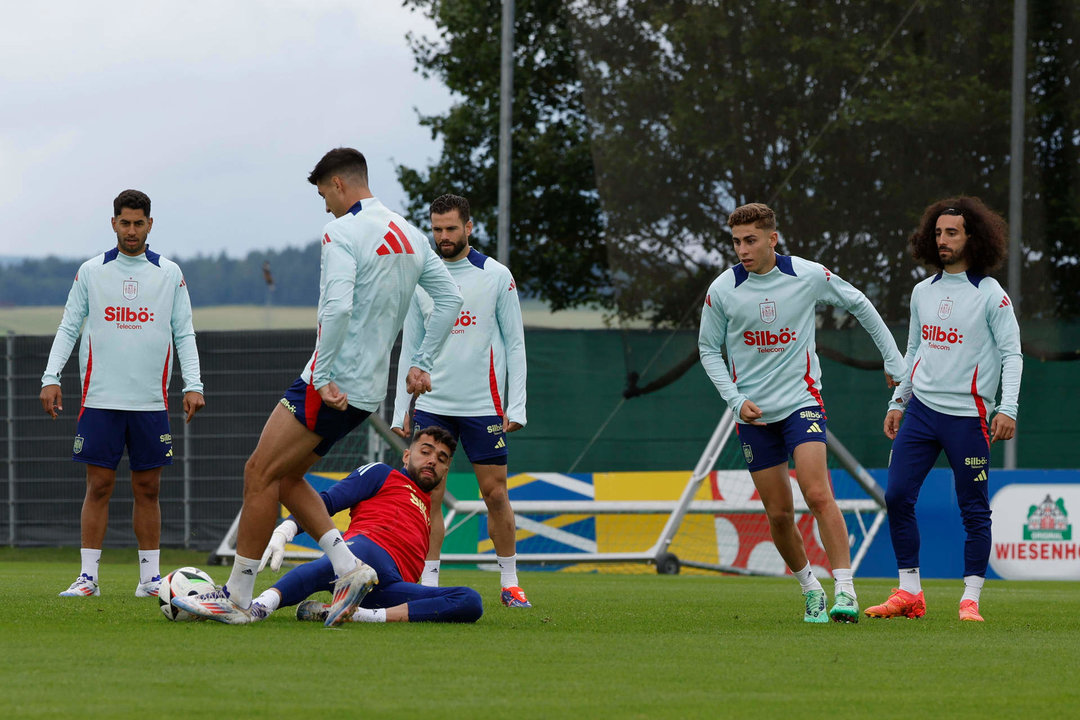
[(245, 374)]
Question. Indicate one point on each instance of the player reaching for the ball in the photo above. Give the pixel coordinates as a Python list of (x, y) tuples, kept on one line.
[(388, 530), (763, 311)]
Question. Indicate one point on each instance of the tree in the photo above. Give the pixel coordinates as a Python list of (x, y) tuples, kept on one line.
[(557, 249), (639, 125)]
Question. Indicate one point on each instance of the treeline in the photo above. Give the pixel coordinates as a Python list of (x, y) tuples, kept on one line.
[(212, 280)]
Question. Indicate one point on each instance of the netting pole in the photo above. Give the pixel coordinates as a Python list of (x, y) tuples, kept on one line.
[(10, 346), (187, 483), (506, 92), (704, 466), (1016, 172)]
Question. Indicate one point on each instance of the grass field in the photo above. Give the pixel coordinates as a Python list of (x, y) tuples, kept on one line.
[(42, 320), (641, 646)]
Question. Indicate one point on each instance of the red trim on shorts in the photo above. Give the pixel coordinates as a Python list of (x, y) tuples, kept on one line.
[(165, 378), (811, 387), (494, 383), (979, 405), (312, 398), (86, 380), (312, 403)]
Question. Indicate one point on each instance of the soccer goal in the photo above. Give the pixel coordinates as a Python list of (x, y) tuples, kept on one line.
[(713, 521), (717, 519)]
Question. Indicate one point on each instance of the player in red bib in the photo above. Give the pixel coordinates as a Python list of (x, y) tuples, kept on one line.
[(389, 530)]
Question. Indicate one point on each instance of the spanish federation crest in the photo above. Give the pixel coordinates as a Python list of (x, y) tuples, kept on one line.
[(768, 311), (748, 453), (131, 289), (77, 448), (944, 309)]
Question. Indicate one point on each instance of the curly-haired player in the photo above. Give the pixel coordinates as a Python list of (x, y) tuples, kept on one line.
[(963, 342)]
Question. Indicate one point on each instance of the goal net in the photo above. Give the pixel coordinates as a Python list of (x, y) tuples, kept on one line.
[(712, 520)]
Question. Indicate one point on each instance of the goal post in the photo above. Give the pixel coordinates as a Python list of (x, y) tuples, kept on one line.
[(731, 526), (866, 516)]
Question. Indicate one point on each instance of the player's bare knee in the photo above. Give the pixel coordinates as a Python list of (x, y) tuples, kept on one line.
[(496, 498), (99, 489), (145, 491), (819, 501), (781, 519)]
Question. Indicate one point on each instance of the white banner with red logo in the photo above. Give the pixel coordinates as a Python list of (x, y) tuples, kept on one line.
[(1035, 532)]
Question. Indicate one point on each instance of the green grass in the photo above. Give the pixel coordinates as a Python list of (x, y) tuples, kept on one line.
[(626, 646)]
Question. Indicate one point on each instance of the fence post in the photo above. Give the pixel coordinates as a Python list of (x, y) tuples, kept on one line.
[(10, 382), (187, 482)]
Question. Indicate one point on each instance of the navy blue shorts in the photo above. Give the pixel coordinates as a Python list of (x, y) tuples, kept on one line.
[(306, 405), (772, 444), (482, 437), (101, 436)]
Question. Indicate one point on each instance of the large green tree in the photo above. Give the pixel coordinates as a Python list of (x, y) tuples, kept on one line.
[(557, 238), (639, 125)]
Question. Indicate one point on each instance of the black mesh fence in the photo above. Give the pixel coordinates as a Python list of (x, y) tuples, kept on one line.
[(245, 374)]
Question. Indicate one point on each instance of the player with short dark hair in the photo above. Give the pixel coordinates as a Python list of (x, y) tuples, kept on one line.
[(389, 528), (372, 261), (479, 381), (763, 311), (963, 342), (136, 306)]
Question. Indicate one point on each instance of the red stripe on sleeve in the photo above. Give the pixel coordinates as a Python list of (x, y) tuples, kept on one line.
[(494, 383), (979, 405), (165, 378), (811, 387), (86, 380)]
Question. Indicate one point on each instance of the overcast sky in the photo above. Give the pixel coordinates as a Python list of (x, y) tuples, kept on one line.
[(217, 109)]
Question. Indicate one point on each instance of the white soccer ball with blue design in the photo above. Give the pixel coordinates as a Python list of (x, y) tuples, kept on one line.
[(183, 582)]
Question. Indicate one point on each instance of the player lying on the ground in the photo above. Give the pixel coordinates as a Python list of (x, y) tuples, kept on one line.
[(389, 531)]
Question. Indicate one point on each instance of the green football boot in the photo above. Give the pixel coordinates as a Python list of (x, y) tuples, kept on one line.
[(846, 608), (815, 607)]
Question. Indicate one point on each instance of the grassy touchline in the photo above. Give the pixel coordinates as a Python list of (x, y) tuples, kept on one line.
[(594, 646)]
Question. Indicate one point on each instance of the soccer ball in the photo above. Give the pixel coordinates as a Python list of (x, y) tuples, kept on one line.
[(182, 582)]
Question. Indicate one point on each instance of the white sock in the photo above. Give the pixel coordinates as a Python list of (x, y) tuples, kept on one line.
[(973, 585), (365, 615), (149, 565), (241, 585), (270, 599), (807, 580), (844, 581), (508, 569), (910, 580), (430, 576), (91, 558), (338, 551)]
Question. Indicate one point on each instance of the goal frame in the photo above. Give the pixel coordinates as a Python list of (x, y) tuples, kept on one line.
[(659, 554)]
